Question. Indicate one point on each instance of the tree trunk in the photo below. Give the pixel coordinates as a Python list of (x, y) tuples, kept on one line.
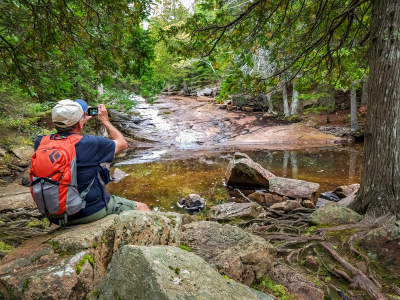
[(329, 103), (379, 194), (270, 105), (267, 100), (364, 96), (295, 101), (285, 102), (353, 109)]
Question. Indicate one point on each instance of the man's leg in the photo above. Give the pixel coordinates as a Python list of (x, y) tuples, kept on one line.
[(120, 204), (116, 205), (142, 206)]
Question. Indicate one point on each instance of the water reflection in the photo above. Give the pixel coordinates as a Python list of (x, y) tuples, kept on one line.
[(161, 183)]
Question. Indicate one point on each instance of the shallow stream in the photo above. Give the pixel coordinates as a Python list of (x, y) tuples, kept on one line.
[(158, 179)]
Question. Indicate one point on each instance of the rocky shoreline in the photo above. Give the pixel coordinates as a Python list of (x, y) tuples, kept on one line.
[(272, 247)]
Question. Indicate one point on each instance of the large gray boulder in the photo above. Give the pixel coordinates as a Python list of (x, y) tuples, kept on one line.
[(294, 188), (68, 263), (232, 210), (162, 273), (244, 172), (230, 250), (333, 213)]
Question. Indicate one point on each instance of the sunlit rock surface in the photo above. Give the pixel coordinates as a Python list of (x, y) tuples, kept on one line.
[(167, 273)]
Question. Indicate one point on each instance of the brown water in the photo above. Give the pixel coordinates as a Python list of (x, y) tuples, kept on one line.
[(162, 181)]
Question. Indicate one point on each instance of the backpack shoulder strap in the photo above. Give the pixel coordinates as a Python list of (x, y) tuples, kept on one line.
[(74, 139), (45, 139)]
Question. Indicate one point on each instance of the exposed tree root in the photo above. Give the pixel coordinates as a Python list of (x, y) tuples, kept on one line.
[(14, 229), (359, 278), (342, 274), (395, 289), (351, 245), (298, 252), (290, 234)]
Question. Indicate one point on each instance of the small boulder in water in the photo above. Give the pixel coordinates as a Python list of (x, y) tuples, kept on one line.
[(192, 201), (347, 190), (244, 172), (331, 196)]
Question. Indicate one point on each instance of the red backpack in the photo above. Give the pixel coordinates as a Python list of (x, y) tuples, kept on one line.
[(54, 178)]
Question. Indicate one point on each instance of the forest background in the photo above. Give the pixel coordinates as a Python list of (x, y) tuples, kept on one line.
[(56, 50)]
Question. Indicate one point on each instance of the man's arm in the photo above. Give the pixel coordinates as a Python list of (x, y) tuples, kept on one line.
[(116, 136)]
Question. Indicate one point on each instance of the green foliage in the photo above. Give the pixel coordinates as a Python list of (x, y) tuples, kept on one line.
[(5, 247), (311, 229), (38, 224), (186, 248), (25, 285), (227, 278), (176, 270), (277, 290), (308, 41), (64, 49), (85, 258), (315, 109)]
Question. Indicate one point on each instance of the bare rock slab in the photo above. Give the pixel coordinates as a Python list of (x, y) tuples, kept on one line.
[(297, 283), (294, 188), (49, 265), (147, 228), (24, 154), (230, 250), (231, 210), (51, 278), (244, 172), (163, 273), (383, 245), (333, 213), (15, 196)]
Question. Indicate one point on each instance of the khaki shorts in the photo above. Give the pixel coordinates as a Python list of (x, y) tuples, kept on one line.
[(116, 205)]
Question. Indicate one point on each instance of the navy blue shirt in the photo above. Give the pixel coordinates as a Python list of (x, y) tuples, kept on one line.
[(91, 150)]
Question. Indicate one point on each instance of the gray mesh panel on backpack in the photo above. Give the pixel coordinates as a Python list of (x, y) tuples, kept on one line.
[(50, 192), (74, 201)]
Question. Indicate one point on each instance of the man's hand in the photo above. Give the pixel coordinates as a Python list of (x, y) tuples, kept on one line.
[(116, 136), (102, 113), (86, 117)]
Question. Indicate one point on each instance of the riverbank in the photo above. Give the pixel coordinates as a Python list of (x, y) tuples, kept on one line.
[(197, 123)]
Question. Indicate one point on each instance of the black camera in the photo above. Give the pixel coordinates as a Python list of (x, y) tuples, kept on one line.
[(93, 111)]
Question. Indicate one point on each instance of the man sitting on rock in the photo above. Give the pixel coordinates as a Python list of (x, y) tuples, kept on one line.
[(69, 118)]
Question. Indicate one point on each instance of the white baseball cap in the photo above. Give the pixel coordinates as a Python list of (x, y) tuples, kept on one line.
[(66, 113)]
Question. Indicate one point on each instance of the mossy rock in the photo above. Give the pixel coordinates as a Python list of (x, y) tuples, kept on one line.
[(334, 214)]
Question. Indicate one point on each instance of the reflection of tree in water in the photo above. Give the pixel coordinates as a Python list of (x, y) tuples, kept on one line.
[(285, 163), (352, 164), (295, 170), (292, 156)]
